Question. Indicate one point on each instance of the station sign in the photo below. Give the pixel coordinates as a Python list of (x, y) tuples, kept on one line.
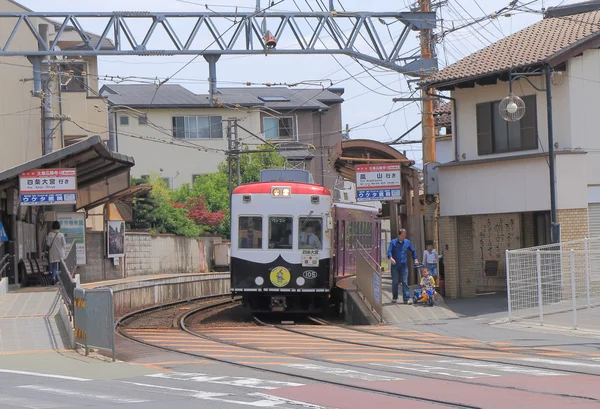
[(378, 182), (44, 187)]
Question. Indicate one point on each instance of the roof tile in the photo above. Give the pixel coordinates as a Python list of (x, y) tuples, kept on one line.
[(532, 45)]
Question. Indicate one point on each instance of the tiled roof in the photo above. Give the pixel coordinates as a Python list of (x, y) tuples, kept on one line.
[(548, 41), (176, 96)]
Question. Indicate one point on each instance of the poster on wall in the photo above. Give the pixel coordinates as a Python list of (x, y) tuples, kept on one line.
[(116, 238), (72, 225)]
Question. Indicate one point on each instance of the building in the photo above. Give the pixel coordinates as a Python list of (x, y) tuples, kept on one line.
[(179, 135), (76, 96), (495, 192)]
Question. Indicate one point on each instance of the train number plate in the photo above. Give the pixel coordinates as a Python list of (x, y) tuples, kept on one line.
[(310, 258)]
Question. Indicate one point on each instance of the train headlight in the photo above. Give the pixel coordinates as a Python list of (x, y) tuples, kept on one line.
[(286, 192), (259, 281), (300, 281), (276, 192)]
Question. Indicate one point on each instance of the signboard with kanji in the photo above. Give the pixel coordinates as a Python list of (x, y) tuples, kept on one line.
[(378, 182), (43, 187)]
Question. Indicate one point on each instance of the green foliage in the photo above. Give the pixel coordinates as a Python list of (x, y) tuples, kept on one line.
[(164, 210)]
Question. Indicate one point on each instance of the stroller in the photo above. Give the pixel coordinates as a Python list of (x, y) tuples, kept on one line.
[(420, 296)]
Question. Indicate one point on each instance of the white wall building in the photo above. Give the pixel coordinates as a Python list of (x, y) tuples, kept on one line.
[(495, 192), (177, 134)]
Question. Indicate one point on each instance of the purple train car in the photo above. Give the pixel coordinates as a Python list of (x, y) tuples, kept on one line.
[(356, 226)]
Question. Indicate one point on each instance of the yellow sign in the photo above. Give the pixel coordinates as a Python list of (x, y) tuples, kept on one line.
[(280, 276)]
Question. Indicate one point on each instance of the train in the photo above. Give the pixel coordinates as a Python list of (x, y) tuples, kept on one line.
[(291, 244)]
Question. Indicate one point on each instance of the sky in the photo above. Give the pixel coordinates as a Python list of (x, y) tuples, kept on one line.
[(368, 95)]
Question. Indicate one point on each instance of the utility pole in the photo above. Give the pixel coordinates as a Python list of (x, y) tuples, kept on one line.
[(47, 82), (237, 150), (229, 148), (428, 130)]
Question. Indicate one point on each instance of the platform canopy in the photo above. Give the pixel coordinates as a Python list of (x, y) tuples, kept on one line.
[(100, 172), (350, 152)]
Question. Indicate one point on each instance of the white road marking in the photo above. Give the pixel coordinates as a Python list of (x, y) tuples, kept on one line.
[(506, 368), (560, 362), (265, 401), (81, 394), (437, 370), (254, 383), (287, 401), (20, 402), (45, 375), (347, 373)]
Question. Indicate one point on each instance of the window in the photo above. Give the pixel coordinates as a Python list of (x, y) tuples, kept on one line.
[(143, 120), (250, 232), (311, 233), (74, 78), (198, 127), (280, 232), (278, 128), (495, 135), (169, 182), (274, 99), (124, 120), (196, 178)]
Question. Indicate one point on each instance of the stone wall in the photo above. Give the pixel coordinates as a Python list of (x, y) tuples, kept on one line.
[(147, 254)]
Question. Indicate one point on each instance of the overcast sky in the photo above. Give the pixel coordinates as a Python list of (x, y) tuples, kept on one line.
[(366, 98)]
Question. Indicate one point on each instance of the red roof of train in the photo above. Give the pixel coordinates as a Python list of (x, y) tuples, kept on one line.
[(297, 188)]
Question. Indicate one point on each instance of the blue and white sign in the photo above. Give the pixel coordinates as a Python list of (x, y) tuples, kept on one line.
[(376, 287), (378, 194), (48, 198)]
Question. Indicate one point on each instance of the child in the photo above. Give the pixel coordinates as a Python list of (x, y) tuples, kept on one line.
[(430, 258), (427, 284)]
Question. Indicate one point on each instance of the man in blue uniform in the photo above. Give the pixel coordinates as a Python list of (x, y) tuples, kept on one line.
[(397, 253)]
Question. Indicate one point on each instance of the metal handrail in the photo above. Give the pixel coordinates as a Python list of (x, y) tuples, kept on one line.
[(66, 284), (363, 251), (6, 264)]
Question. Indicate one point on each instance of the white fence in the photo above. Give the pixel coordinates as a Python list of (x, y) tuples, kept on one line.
[(557, 283)]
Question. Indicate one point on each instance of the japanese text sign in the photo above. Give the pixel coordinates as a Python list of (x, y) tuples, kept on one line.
[(378, 182), (40, 187)]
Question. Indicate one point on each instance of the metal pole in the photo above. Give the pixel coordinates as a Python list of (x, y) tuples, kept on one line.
[(573, 294), (322, 150), (586, 244), (229, 156), (257, 6), (111, 131), (331, 7), (555, 232), (212, 76), (538, 265), (47, 82), (507, 286), (237, 151)]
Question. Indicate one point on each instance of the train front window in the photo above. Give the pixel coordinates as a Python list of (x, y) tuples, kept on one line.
[(311, 233), (280, 232), (250, 232)]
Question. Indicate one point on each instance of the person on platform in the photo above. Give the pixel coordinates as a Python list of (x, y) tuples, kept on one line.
[(56, 248), (430, 258), (397, 253)]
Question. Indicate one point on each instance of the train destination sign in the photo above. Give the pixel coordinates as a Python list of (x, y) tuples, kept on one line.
[(378, 182), (48, 187)]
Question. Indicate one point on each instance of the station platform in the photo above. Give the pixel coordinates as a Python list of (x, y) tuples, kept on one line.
[(31, 319)]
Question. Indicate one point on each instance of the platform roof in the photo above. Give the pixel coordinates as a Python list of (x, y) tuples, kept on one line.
[(100, 172)]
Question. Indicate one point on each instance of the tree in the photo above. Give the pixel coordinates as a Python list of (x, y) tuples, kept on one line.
[(201, 207)]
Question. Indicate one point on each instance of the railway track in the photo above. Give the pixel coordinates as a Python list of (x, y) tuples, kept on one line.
[(180, 320)]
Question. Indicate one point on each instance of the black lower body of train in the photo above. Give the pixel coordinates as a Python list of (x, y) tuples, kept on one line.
[(311, 297)]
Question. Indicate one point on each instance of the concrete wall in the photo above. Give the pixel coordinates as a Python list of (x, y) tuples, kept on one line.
[(147, 254), (444, 151), (131, 296)]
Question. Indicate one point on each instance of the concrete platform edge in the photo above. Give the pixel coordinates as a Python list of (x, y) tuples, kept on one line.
[(3, 287), (355, 310), (63, 321)]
